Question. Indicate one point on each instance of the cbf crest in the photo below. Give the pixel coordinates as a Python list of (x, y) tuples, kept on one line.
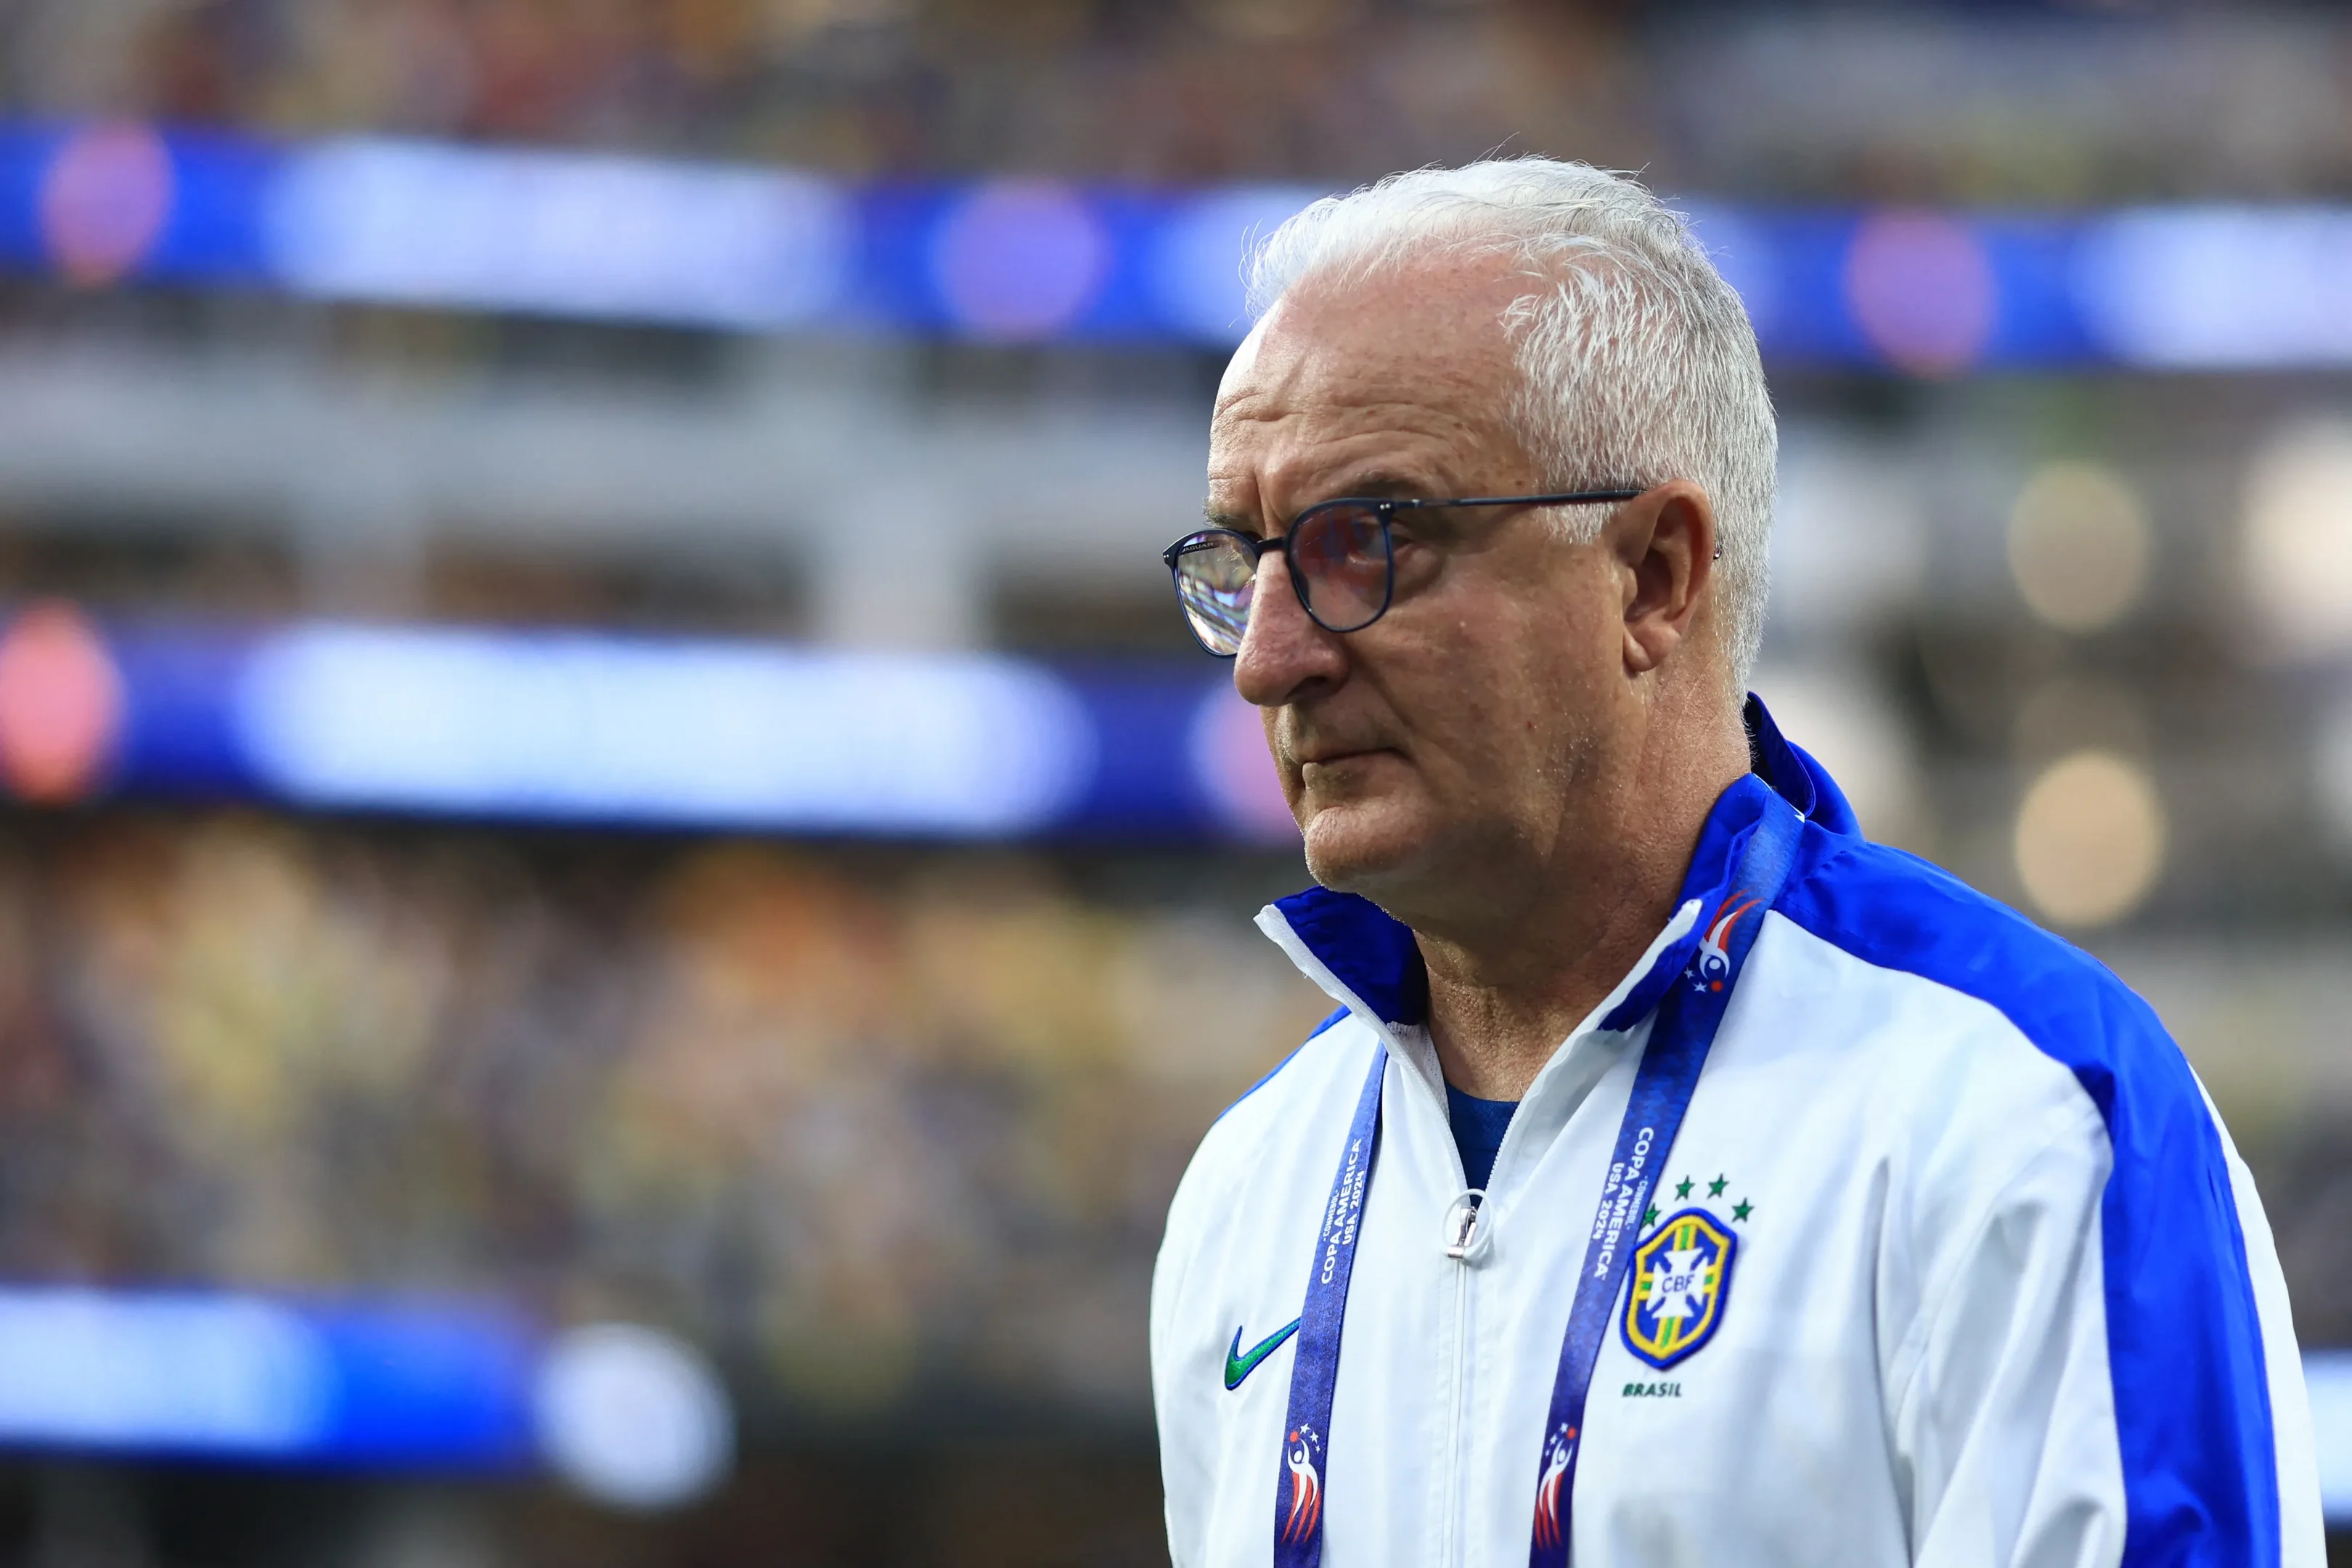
[(1681, 1276)]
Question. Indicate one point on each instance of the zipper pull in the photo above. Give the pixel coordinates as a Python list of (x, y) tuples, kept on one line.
[(1462, 1232)]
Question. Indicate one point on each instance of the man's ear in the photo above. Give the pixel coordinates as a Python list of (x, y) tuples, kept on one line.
[(1663, 545)]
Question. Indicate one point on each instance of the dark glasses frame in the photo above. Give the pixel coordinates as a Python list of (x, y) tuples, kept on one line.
[(1384, 509)]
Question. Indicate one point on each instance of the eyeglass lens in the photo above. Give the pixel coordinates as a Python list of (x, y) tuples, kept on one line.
[(1339, 553), (1216, 578)]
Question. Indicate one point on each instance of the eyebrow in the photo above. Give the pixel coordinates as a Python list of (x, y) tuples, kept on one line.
[(1371, 485), (1380, 484)]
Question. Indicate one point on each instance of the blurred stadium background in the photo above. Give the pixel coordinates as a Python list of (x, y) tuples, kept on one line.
[(622, 897)]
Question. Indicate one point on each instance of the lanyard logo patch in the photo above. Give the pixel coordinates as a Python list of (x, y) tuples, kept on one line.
[(1240, 1362), (1306, 1484), (1680, 1277), (1712, 965), (1557, 1454)]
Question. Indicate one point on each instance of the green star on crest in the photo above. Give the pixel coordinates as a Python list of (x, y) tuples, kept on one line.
[(1649, 1214), (1682, 1190), (1741, 1209), (1715, 1188)]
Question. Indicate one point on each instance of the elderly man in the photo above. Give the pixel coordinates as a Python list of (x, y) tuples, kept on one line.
[(1684, 1179)]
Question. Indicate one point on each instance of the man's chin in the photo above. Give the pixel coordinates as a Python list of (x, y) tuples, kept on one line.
[(1364, 848)]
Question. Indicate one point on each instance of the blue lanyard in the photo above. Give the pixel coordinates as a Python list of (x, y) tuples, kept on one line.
[(1663, 1085)]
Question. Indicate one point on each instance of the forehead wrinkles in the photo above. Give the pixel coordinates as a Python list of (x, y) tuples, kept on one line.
[(1284, 459), (1427, 346)]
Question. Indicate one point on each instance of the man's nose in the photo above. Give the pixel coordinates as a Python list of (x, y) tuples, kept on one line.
[(1283, 652)]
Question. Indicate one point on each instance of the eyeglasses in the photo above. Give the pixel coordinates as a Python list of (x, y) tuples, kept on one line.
[(1342, 564)]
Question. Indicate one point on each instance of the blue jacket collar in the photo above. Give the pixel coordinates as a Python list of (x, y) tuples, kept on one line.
[(1795, 776), (1377, 965)]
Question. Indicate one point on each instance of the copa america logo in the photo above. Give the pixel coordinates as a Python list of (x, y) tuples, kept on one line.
[(1557, 1452), (1306, 1484), (1712, 965)]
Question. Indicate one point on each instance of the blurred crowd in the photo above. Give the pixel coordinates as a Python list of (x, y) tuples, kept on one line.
[(2038, 103), (1208, 90), (860, 1123)]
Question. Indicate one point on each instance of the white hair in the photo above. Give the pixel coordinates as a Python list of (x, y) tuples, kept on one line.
[(1637, 360)]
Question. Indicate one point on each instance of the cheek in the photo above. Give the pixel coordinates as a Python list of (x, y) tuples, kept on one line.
[(1530, 679), (1474, 704), (1567, 639)]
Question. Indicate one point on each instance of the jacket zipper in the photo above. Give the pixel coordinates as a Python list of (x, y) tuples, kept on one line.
[(1450, 1554), (1454, 1424), (1451, 1502)]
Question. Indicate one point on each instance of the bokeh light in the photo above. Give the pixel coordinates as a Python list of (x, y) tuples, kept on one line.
[(61, 703), (2298, 536), (1922, 289), (104, 200), (2079, 545), (1019, 260), (1232, 766), (633, 1416), (2090, 839)]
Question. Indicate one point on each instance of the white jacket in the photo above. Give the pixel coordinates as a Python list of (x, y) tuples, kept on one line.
[(2002, 1291)]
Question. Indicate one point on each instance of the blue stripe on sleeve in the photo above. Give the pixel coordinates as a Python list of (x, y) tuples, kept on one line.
[(2184, 1339)]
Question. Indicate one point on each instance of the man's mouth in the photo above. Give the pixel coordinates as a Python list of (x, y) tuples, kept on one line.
[(1326, 757)]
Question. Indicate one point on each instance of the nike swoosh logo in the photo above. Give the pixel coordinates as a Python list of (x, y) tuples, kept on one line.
[(1240, 1363)]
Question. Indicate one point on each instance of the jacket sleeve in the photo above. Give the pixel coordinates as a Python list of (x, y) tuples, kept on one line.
[(2101, 1373), (1185, 1470)]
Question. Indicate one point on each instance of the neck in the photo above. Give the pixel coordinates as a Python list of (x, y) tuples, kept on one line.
[(1505, 992)]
